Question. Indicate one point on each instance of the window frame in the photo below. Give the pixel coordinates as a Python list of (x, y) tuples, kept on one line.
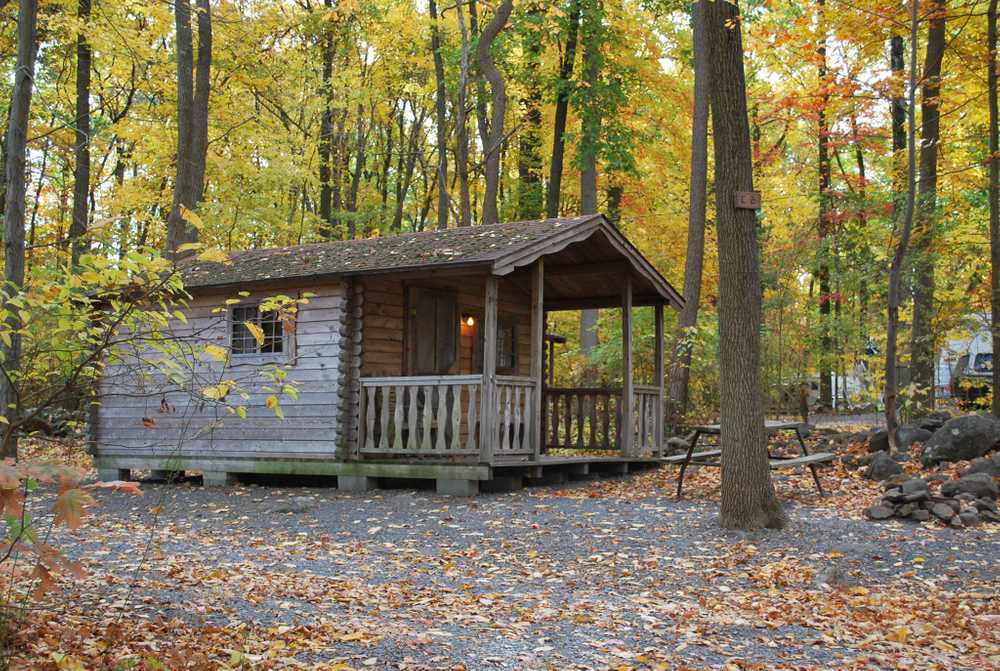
[(286, 354), (504, 319)]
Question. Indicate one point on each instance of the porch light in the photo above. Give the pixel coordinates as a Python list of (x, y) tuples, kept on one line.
[(468, 319)]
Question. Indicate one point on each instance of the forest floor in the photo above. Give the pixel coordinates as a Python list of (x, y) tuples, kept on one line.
[(601, 574)]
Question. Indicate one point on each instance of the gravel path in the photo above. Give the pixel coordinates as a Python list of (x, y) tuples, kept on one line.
[(534, 579)]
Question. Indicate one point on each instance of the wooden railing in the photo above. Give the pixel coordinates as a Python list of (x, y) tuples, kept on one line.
[(590, 418), (515, 414), (423, 415), (648, 406), (582, 418), (443, 416)]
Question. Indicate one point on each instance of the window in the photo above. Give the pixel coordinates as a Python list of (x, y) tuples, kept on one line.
[(244, 342), (506, 345)]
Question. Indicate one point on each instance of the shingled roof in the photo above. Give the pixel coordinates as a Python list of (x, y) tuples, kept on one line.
[(502, 247)]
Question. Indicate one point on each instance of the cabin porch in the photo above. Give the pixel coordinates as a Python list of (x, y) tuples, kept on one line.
[(483, 395)]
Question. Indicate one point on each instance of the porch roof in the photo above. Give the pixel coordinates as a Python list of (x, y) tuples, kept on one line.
[(575, 244)]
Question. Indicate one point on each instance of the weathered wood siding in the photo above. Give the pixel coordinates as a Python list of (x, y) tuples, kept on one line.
[(188, 429), (385, 325)]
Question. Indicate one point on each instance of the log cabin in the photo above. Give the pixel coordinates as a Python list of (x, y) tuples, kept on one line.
[(417, 356)]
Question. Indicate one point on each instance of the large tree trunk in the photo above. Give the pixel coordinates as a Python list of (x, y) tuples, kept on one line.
[(192, 120), (823, 224), (922, 343), (440, 112), (529, 156), (81, 147), (326, 134), (488, 66), (561, 113), (896, 268), (991, 83), (590, 131), (680, 358), (461, 125), (748, 497), (17, 144)]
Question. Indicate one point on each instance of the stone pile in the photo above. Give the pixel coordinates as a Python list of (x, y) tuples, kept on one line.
[(961, 503)]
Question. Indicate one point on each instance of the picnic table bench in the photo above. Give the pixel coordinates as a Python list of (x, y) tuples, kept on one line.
[(711, 457)]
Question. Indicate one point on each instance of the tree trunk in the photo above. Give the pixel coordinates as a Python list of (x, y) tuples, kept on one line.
[(922, 344), (562, 111), (192, 120), (440, 111), (360, 147), (17, 144), (823, 224), (529, 157), (461, 125), (482, 122), (680, 358), (748, 497), (590, 131), (326, 135), (81, 148), (896, 268), (991, 79), (488, 66)]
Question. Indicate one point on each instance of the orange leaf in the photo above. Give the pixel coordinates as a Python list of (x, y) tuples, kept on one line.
[(69, 507)]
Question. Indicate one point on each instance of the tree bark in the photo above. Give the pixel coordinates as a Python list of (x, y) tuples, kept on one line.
[(17, 144), (81, 147), (823, 223), (440, 111), (590, 131), (896, 267), (562, 112), (461, 125), (326, 134), (680, 358), (488, 66), (748, 497), (530, 203), (192, 120), (994, 190), (922, 343)]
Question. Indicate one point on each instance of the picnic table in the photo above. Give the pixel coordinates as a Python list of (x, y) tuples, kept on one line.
[(711, 457)]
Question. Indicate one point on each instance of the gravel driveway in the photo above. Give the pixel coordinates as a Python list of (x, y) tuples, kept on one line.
[(536, 579)]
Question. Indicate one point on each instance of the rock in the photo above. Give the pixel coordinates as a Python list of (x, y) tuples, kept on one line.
[(882, 466), (879, 441), (907, 435), (989, 515), (913, 485), (962, 438), (880, 511), (942, 511), (895, 481), (970, 518), (980, 485), (988, 465), (676, 445), (956, 522), (920, 515), (906, 509), (985, 504), (933, 421)]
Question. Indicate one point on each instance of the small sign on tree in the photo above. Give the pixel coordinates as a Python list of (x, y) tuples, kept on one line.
[(746, 200)]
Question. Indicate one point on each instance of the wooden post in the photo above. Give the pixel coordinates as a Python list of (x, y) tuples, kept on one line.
[(628, 421), (537, 353), (488, 413), (658, 381)]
